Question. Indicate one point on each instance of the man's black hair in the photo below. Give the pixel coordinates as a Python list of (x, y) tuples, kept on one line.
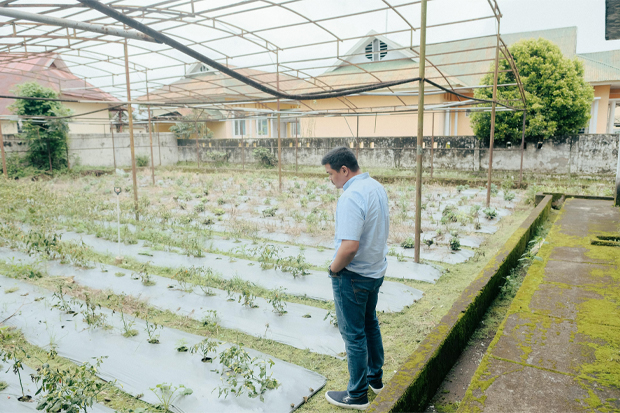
[(339, 157)]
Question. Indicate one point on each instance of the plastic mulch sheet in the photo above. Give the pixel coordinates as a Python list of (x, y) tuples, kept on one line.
[(138, 365), (393, 296), (303, 326)]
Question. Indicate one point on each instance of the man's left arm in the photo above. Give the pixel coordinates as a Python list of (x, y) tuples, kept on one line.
[(345, 254)]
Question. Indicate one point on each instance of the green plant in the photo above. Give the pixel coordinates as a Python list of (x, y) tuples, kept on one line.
[(267, 255), (455, 244), (239, 374), (270, 212), (192, 126), (204, 348), (168, 394), (10, 290), (295, 265), (91, 316), (142, 161), (490, 213), (509, 196), (429, 242), (47, 140), (72, 390), (151, 331), (277, 302), (61, 303), (181, 346), (331, 316), (15, 356), (408, 243), (128, 330), (143, 275), (264, 157), (186, 277), (248, 299), (210, 318)]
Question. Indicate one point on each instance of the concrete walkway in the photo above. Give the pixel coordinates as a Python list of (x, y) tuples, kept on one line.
[(558, 350)]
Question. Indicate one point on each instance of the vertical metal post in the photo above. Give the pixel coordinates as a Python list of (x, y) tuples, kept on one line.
[(151, 144), (243, 151), (432, 143), (159, 145), (418, 181), (279, 138), (617, 195), (297, 125), (131, 141), (4, 171), (357, 139), (118, 217), (493, 118), (67, 150), (113, 147), (522, 149), (197, 144)]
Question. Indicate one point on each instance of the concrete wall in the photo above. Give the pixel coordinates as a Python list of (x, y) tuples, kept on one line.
[(585, 154)]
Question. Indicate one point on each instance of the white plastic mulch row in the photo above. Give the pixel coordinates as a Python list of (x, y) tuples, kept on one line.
[(303, 326), (137, 365), (393, 296)]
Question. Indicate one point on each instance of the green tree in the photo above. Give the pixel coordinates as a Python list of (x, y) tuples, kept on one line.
[(558, 98), (192, 124), (47, 137)]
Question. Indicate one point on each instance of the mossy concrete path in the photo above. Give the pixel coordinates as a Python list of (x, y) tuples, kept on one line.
[(558, 349)]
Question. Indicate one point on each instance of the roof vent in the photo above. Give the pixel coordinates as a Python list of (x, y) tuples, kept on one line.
[(376, 50)]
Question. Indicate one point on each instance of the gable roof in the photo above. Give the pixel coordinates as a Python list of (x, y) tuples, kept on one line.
[(48, 70)]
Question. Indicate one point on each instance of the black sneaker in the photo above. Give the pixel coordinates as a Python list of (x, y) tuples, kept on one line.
[(376, 386), (342, 399)]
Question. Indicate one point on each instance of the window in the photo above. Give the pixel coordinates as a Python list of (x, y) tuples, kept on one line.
[(376, 50), (295, 129), (262, 127), (239, 127)]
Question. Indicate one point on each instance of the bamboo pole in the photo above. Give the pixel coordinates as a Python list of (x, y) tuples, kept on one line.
[(493, 118), (4, 171), (131, 141), (418, 182)]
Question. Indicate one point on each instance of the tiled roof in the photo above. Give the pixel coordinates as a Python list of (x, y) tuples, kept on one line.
[(48, 70)]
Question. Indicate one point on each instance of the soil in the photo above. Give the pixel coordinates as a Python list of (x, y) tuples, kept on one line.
[(453, 388), (206, 360), (26, 398)]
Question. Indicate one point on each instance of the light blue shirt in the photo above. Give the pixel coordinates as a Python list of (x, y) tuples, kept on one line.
[(363, 215)]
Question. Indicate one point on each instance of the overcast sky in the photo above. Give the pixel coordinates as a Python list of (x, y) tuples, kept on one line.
[(587, 15)]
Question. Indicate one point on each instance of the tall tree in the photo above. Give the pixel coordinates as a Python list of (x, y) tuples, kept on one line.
[(558, 98), (47, 136)]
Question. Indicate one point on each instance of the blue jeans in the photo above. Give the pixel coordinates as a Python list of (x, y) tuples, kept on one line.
[(356, 299)]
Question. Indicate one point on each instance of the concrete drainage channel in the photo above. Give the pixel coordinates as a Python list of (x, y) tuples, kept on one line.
[(416, 382)]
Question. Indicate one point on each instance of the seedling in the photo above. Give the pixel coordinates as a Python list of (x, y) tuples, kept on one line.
[(184, 278), (455, 244), (204, 348), (239, 374), (490, 213), (408, 243), (144, 276), (267, 255), (279, 305), (151, 331), (509, 196), (333, 320), (62, 304), (270, 212), (295, 265), (167, 394), (128, 330), (210, 318), (248, 299), (15, 357), (91, 317), (181, 346)]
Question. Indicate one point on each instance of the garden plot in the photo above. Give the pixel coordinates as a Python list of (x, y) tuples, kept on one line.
[(300, 326), (393, 296), (138, 365), (9, 396)]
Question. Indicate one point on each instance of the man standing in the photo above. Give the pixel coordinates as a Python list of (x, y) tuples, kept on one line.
[(357, 270)]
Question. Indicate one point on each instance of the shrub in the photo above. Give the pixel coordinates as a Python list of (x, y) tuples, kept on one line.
[(142, 161), (264, 157)]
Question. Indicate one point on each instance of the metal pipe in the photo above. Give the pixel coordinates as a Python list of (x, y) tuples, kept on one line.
[(55, 21), (522, 149), (278, 120), (493, 119), (418, 181), (113, 147), (617, 195), (131, 141), (151, 144), (432, 143), (4, 171)]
